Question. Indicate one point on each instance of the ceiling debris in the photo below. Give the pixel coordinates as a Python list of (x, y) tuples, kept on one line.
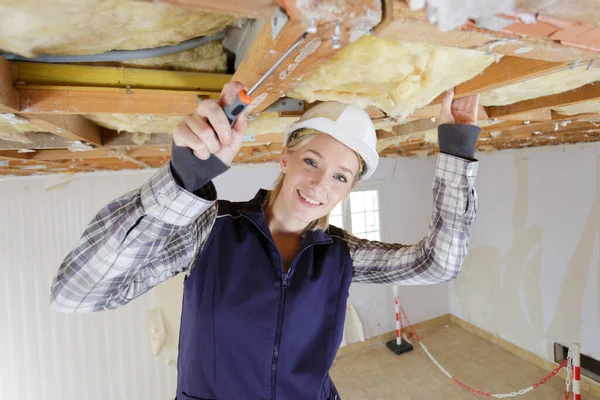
[(72, 27), (396, 76), (13, 127), (556, 82)]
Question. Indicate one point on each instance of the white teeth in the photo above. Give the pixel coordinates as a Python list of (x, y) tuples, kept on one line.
[(308, 199)]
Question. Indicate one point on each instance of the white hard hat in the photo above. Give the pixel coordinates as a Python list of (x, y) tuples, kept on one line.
[(349, 124)]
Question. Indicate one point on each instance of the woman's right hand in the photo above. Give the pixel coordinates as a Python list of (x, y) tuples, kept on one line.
[(207, 130)]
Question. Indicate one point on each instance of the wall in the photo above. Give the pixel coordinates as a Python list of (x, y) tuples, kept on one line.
[(532, 276), (49, 355)]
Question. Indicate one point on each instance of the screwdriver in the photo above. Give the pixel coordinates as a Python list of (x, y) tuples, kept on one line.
[(244, 98)]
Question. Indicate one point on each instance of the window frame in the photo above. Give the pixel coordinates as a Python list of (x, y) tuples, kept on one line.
[(377, 185)]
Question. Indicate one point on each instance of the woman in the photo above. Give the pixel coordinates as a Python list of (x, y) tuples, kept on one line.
[(265, 296)]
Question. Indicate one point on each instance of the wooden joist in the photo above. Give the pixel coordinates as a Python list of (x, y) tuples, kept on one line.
[(579, 95), (356, 18), (509, 70), (202, 83), (9, 97), (91, 100)]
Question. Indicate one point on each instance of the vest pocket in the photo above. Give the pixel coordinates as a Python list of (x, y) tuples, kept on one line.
[(188, 397)]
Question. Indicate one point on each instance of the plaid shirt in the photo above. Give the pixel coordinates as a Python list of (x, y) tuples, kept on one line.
[(156, 231)]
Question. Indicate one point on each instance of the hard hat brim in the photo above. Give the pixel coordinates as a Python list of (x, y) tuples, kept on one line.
[(327, 126)]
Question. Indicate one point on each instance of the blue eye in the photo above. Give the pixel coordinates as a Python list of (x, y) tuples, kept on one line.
[(341, 178), (310, 161)]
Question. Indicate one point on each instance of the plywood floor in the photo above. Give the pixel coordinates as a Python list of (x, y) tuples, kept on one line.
[(377, 374)]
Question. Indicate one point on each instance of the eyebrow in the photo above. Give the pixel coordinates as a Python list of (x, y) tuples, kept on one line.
[(341, 166)]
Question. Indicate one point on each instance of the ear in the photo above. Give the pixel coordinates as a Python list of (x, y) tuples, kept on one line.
[(285, 158)]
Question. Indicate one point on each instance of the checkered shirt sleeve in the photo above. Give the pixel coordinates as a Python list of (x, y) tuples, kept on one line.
[(437, 257), (134, 243)]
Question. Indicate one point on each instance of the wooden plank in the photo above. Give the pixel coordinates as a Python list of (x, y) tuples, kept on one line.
[(70, 127), (51, 155), (39, 140), (433, 111), (507, 71), (239, 8), (417, 126), (79, 100), (579, 95), (414, 26), (31, 73), (356, 17), (9, 97)]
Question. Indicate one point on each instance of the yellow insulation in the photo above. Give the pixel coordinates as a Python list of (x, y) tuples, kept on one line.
[(13, 127), (396, 76), (592, 106), (32, 27)]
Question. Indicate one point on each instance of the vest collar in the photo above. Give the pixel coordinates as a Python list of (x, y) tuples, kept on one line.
[(254, 211)]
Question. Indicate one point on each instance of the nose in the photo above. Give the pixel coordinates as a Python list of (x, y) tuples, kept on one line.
[(318, 179)]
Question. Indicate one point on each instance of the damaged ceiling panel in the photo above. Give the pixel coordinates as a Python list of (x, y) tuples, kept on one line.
[(72, 27), (396, 76), (397, 81), (557, 82)]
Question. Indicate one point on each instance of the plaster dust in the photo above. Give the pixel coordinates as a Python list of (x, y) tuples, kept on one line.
[(492, 286), (30, 27), (451, 14), (396, 76), (543, 86), (13, 127)]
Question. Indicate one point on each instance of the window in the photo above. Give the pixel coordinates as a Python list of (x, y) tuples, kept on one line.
[(360, 212)]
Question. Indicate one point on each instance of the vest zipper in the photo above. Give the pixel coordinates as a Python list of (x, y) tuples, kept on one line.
[(280, 311)]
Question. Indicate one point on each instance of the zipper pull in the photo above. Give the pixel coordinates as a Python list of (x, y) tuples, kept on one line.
[(284, 280)]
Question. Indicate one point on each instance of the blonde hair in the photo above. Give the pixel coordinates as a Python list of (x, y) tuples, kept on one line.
[(296, 141)]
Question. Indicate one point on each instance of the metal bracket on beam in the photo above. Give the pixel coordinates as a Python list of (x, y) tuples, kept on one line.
[(279, 20), (248, 138), (286, 104)]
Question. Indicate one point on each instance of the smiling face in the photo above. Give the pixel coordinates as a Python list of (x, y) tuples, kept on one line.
[(317, 177)]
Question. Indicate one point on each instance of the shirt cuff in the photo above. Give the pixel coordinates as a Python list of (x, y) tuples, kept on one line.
[(164, 199), (458, 140), (456, 170), (192, 173)]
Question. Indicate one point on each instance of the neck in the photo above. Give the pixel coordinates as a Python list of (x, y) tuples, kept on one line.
[(281, 224)]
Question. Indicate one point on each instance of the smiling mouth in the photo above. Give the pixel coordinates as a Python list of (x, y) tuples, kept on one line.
[(308, 200)]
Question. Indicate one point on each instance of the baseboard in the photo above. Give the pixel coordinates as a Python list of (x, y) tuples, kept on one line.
[(383, 338), (587, 385)]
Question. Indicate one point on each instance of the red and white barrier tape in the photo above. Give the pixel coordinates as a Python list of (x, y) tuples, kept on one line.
[(572, 358)]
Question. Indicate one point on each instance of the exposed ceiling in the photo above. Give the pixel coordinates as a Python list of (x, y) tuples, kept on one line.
[(538, 79)]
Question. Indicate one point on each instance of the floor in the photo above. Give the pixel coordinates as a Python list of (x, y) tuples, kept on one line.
[(378, 374)]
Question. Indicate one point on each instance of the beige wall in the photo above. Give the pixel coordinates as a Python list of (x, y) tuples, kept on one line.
[(532, 276)]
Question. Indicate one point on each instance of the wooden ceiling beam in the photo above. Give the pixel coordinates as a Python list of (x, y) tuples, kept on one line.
[(91, 100), (203, 83), (579, 95), (356, 17), (507, 71), (9, 97)]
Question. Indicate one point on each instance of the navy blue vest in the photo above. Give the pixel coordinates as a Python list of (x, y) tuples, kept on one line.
[(250, 331)]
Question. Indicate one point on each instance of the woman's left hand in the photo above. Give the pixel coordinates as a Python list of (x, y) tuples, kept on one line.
[(459, 111)]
